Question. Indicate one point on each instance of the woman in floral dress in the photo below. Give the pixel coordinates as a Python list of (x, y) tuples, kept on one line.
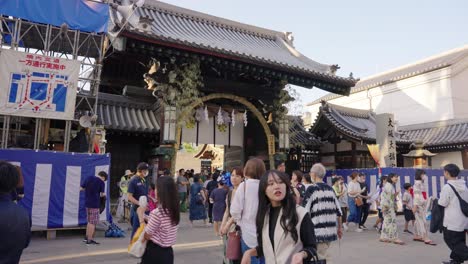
[(388, 204), (419, 209)]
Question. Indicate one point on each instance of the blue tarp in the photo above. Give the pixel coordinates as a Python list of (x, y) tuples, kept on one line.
[(81, 15)]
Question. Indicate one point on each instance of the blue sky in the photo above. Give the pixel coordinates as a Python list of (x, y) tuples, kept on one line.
[(362, 36)]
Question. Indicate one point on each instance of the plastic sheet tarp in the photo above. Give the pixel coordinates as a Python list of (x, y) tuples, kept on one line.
[(84, 15)]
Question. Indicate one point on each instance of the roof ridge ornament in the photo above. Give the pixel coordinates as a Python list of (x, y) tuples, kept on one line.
[(288, 36), (334, 68)]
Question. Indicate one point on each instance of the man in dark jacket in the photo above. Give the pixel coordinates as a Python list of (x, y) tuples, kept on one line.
[(15, 225)]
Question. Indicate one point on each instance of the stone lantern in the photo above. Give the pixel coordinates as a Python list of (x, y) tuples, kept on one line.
[(421, 157)]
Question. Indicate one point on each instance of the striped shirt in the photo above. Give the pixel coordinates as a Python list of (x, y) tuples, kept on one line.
[(324, 210), (161, 229)]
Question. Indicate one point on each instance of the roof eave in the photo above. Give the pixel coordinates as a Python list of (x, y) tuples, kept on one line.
[(327, 82)]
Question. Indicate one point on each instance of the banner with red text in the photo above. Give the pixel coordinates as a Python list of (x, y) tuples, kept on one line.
[(33, 85)]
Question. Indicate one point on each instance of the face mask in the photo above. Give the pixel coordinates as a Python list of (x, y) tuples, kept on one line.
[(146, 173)]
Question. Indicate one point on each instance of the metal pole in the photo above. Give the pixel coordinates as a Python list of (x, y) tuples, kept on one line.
[(66, 138)]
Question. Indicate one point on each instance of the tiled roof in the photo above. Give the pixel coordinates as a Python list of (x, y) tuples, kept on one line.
[(298, 136), (354, 123), (205, 32), (119, 112), (436, 62), (360, 125), (437, 134)]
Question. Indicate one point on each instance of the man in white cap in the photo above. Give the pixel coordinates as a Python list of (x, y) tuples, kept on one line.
[(123, 186)]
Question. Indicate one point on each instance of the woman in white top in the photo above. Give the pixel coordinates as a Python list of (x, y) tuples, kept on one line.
[(354, 192), (245, 205)]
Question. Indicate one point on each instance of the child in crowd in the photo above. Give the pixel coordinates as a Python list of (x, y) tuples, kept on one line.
[(152, 200), (379, 221), (408, 207), (218, 199)]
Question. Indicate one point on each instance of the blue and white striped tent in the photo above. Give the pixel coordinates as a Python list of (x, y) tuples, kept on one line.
[(52, 185)]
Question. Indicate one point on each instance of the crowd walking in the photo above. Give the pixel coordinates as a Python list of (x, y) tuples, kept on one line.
[(271, 217), (263, 216)]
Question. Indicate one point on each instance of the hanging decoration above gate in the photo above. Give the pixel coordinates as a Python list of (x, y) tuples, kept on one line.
[(217, 125), (223, 120), (174, 84), (233, 118)]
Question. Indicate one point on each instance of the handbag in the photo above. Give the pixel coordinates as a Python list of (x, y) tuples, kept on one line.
[(137, 249), (358, 201), (199, 199), (233, 247), (315, 259)]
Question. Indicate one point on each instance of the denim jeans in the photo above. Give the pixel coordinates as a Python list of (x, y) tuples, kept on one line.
[(253, 260), (135, 221), (354, 212)]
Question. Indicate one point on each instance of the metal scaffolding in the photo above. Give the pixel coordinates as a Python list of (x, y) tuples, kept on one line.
[(60, 42)]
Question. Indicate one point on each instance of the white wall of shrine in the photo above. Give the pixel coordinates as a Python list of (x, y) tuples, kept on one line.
[(421, 99), (459, 84), (430, 97), (442, 159)]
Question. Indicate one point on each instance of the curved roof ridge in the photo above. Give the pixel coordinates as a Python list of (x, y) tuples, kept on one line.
[(294, 52), (421, 61), (210, 19), (347, 111), (431, 63)]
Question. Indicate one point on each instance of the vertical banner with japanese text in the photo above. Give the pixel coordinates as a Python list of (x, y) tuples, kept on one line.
[(386, 140), (33, 85)]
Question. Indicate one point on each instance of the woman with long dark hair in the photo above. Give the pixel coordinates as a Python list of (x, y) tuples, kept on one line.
[(161, 231), (387, 202), (419, 209), (285, 232)]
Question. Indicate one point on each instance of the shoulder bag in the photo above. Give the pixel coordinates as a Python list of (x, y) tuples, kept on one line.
[(233, 248)]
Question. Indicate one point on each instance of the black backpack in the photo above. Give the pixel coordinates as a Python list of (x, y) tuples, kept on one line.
[(463, 203)]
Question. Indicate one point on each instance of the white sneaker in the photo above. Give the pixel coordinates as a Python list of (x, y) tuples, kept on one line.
[(345, 227), (359, 230)]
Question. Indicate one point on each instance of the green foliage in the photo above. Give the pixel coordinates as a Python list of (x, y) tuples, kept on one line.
[(183, 86), (189, 147), (282, 98)]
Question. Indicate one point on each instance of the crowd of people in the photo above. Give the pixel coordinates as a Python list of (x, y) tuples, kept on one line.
[(263, 216), (277, 218)]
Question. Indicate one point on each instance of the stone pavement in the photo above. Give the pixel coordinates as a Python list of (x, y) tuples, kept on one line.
[(200, 245)]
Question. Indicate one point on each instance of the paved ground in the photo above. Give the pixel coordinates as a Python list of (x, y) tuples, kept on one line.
[(199, 245)]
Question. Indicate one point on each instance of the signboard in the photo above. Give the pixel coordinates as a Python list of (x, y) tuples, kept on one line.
[(38, 86), (271, 144), (52, 182), (386, 140)]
